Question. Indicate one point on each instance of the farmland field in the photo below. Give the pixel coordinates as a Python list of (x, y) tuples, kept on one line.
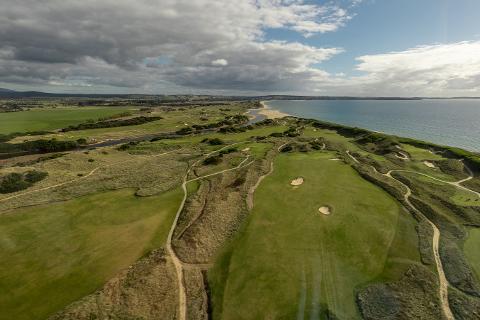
[(52, 118)]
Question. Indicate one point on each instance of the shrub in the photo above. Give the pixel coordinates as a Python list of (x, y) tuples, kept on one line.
[(82, 141), (287, 148), (215, 142), (112, 123), (213, 160), (35, 176), (14, 182)]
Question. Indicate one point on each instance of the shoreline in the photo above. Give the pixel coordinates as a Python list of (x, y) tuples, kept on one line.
[(270, 113)]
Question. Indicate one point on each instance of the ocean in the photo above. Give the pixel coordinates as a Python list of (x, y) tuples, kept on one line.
[(452, 122)]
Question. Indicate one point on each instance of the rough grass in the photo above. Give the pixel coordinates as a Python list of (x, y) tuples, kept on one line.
[(470, 248), (227, 137), (290, 261), (46, 119), (52, 255)]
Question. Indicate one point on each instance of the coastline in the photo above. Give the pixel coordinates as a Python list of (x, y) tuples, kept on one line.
[(427, 120), (270, 113)]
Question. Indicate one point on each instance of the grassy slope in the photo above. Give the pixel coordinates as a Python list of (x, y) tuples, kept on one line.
[(471, 249), (290, 261), (52, 118), (55, 254)]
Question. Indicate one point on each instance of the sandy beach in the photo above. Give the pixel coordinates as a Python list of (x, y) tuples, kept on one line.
[(270, 113)]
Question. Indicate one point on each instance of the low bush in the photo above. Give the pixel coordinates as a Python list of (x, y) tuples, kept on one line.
[(14, 182), (112, 123), (213, 160)]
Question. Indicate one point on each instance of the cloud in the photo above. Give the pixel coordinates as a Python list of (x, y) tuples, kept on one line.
[(171, 43), (440, 70), (212, 46), (219, 62)]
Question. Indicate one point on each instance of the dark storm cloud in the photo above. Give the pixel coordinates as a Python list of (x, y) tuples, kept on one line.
[(207, 43)]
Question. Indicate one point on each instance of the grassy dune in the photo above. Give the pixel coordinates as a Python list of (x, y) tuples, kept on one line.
[(292, 262), (55, 254), (52, 118)]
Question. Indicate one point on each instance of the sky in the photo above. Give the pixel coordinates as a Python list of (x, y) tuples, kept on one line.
[(242, 47)]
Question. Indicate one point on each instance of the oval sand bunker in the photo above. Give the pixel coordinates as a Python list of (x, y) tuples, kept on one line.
[(297, 181), (429, 164), (324, 210)]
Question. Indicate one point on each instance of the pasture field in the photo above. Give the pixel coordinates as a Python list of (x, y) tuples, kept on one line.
[(171, 121), (292, 262), (45, 119), (55, 254)]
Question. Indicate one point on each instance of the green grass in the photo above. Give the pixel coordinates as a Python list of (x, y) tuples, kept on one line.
[(454, 195), (464, 198), (471, 251), (290, 261), (332, 136), (420, 154), (52, 118), (228, 138), (256, 149), (52, 255), (172, 121)]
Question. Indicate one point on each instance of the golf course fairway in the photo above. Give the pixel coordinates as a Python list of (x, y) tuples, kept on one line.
[(290, 261), (57, 253)]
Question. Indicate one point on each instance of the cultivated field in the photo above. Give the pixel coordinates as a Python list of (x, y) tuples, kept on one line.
[(45, 119)]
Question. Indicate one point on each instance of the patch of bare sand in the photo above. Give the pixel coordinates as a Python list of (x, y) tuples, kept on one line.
[(334, 159), (297, 181), (325, 210), (401, 155), (429, 164), (246, 149), (270, 113)]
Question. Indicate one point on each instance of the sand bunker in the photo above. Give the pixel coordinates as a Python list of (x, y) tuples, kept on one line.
[(297, 181), (334, 159), (401, 155), (429, 164), (325, 210)]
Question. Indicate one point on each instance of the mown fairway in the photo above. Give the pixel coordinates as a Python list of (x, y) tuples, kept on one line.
[(471, 249), (54, 254), (292, 262), (52, 118)]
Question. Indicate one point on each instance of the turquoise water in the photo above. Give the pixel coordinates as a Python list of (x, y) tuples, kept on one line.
[(454, 122)]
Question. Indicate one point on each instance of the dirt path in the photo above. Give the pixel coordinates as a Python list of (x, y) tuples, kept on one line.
[(240, 165), (455, 183), (76, 179), (251, 191), (443, 282), (353, 158), (182, 298), (180, 265)]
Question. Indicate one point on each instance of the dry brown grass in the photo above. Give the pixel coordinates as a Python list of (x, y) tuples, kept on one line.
[(147, 290)]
